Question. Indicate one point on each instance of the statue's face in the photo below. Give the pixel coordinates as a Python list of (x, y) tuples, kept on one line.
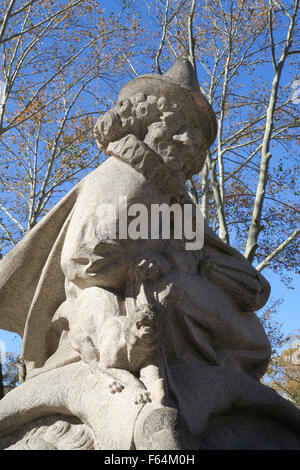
[(145, 324), (146, 329), (173, 139), (168, 128)]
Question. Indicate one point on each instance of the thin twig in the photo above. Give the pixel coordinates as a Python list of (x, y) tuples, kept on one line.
[(163, 36)]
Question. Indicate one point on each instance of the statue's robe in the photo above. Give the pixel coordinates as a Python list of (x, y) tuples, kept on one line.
[(216, 349), (32, 279)]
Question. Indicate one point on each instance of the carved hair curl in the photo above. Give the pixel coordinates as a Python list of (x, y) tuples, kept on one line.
[(130, 116)]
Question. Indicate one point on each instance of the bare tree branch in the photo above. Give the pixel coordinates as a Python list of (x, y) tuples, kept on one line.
[(278, 250), (163, 36), (271, 37), (6, 19), (255, 227), (130, 65), (38, 25), (224, 234), (191, 36), (7, 212)]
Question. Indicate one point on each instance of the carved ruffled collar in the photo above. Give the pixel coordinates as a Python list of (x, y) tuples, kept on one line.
[(147, 162)]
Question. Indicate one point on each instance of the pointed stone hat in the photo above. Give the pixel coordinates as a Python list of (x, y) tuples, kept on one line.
[(178, 85)]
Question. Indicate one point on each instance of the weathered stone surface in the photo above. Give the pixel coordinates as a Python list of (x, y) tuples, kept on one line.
[(139, 343)]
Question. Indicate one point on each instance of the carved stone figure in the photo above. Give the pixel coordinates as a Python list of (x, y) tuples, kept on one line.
[(139, 343)]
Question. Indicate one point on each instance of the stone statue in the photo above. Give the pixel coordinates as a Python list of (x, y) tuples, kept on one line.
[(139, 343)]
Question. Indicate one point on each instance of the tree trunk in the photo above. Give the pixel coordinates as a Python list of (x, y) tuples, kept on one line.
[(21, 370)]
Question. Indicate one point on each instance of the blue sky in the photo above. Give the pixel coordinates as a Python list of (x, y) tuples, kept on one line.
[(288, 312)]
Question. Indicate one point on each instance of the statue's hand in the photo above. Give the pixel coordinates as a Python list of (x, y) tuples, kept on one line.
[(149, 269), (151, 265), (142, 396)]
